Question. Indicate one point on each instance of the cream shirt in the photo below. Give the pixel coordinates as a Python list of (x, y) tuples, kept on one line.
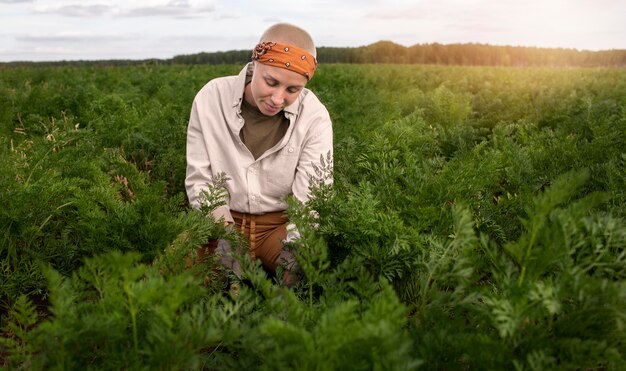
[(261, 185)]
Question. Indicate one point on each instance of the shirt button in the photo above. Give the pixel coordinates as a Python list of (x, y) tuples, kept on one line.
[(290, 150)]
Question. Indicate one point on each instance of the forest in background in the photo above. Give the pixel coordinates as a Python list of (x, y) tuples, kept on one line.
[(471, 54)]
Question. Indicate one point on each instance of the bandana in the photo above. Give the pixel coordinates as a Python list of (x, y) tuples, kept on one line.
[(285, 56)]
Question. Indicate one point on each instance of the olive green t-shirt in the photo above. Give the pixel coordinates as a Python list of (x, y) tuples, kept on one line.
[(260, 132)]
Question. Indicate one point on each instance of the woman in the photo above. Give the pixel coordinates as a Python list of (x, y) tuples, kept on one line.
[(266, 131)]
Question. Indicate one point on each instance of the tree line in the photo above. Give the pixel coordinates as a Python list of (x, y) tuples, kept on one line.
[(470, 54), (434, 53)]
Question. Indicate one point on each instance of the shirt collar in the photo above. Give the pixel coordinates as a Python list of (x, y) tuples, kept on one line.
[(240, 86)]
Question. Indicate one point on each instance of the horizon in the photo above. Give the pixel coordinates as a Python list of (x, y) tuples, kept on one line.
[(318, 47), (70, 30)]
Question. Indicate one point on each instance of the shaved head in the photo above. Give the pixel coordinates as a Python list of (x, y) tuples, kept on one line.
[(289, 34)]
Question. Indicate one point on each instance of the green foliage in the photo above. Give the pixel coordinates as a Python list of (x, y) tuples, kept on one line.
[(345, 335), (215, 194), (58, 212), (17, 347), (113, 313), (476, 221), (337, 318), (540, 284)]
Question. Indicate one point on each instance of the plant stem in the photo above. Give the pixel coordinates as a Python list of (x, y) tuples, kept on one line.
[(133, 316)]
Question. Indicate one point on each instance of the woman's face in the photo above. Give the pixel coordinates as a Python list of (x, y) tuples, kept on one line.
[(273, 88)]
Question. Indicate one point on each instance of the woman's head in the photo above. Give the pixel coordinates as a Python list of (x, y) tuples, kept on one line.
[(284, 62)]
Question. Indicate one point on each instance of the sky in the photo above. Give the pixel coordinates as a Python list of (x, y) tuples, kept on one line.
[(51, 30)]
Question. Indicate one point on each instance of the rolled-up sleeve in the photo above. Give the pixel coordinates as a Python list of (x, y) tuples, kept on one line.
[(198, 163), (199, 173), (316, 152)]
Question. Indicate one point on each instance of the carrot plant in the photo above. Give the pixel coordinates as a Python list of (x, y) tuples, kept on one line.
[(476, 220)]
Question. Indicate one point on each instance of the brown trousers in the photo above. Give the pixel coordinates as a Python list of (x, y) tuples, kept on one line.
[(265, 234)]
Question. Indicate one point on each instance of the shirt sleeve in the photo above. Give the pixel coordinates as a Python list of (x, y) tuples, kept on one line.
[(198, 174), (317, 152)]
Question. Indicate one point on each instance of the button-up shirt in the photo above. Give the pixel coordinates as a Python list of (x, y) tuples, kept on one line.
[(256, 186)]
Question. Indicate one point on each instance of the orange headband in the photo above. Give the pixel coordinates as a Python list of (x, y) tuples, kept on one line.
[(285, 56)]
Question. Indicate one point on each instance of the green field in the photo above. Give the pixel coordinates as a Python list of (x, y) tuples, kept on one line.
[(477, 221)]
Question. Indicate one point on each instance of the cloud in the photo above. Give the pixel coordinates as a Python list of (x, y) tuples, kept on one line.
[(171, 8), (208, 42), (15, 1), (70, 38), (226, 16), (412, 13), (272, 19), (175, 8), (83, 10)]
